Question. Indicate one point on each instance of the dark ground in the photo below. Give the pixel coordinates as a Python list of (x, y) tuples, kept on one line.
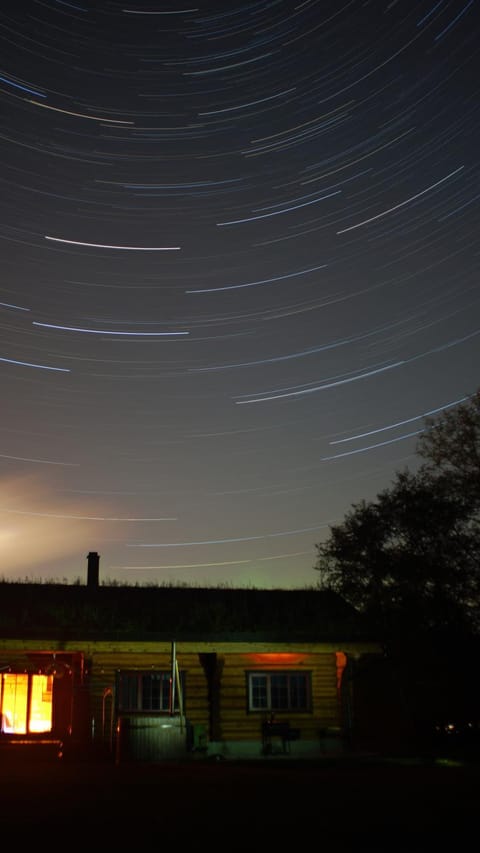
[(347, 804)]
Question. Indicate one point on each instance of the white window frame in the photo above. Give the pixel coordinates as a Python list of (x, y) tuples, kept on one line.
[(289, 675)]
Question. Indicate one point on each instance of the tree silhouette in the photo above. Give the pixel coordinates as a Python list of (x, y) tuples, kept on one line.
[(412, 556)]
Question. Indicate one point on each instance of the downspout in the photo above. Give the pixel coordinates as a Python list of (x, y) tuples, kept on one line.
[(344, 687), (107, 694), (180, 696), (173, 678)]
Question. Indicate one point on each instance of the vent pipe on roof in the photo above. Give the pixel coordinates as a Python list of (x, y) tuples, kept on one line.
[(93, 569)]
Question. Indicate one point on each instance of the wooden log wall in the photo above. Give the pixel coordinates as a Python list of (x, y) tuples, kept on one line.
[(102, 668), (233, 720), (238, 723), (216, 686)]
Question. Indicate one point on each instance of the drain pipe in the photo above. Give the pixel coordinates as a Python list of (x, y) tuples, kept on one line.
[(173, 678)]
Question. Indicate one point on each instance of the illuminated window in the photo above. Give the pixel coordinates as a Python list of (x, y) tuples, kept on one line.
[(26, 703), (146, 691), (279, 691)]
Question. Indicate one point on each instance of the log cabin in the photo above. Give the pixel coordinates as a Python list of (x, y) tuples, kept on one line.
[(164, 673)]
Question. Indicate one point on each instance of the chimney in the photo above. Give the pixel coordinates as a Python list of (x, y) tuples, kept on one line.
[(92, 574)]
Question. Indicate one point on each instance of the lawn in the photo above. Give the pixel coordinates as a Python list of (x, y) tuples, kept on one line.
[(352, 805)]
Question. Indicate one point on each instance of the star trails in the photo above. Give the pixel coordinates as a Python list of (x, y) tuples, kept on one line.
[(40, 461), (210, 565), (402, 203), (223, 541), (250, 104), (106, 332), (120, 248), (401, 423), (22, 86), (222, 68), (103, 119), (324, 387), (371, 446), (183, 566), (259, 282), (81, 517), (176, 12), (37, 366), (16, 307), (279, 212), (452, 23)]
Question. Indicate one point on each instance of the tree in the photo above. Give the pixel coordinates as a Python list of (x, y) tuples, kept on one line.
[(412, 556), (410, 562), (450, 446)]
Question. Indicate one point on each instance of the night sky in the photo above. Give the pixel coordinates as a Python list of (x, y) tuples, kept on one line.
[(239, 265)]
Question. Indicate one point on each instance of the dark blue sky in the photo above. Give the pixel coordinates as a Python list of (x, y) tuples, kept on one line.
[(239, 265)]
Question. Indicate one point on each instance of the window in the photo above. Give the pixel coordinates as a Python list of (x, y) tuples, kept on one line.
[(147, 691), (279, 691), (26, 703)]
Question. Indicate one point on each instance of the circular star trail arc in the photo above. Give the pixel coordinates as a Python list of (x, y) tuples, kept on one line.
[(239, 267)]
